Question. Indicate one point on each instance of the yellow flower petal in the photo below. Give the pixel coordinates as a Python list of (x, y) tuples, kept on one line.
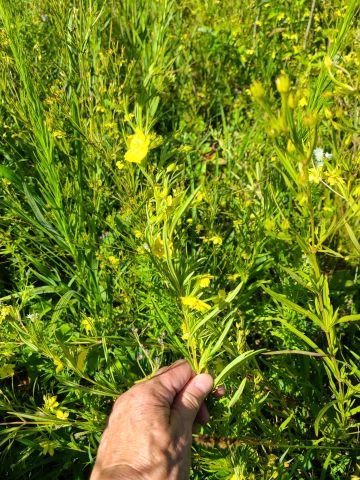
[(204, 280), (195, 303), (139, 144)]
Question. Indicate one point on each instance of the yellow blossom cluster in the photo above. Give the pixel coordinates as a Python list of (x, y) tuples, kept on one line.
[(51, 406), (215, 240), (113, 261), (195, 303), (5, 311), (87, 325)]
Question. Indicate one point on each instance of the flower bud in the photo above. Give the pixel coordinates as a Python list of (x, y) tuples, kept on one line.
[(283, 83)]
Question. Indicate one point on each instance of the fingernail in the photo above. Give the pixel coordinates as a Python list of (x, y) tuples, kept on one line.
[(204, 383)]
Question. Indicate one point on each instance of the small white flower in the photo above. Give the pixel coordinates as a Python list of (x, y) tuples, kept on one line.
[(319, 157), (328, 156)]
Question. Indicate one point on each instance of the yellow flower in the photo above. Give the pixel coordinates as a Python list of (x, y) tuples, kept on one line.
[(87, 325), (334, 178), (58, 364), (269, 224), (48, 447), (195, 303), (7, 370), (233, 277), (61, 414), (50, 402), (216, 240), (199, 197), (185, 331), (58, 134), (120, 165), (272, 460), (114, 261), (138, 147), (315, 175), (290, 146), (5, 311), (204, 280)]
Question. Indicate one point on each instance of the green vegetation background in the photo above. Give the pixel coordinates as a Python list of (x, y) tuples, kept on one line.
[(181, 179)]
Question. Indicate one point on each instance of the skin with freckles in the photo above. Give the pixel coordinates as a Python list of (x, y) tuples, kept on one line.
[(149, 432)]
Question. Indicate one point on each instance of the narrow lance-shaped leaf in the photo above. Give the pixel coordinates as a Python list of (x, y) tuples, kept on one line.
[(236, 363), (293, 306), (238, 393)]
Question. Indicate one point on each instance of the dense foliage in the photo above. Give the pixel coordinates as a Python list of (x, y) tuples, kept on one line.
[(181, 179)]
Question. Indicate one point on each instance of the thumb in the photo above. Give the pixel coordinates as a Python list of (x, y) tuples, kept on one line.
[(188, 402)]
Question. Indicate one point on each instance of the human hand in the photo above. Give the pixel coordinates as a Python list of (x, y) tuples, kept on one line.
[(149, 432)]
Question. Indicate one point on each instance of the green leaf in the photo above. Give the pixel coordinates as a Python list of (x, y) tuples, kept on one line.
[(184, 205), (349, 318), (352, 237), (244, 357), (301, 281), (212, 349), (238, 393), (321, 414), (171, 331), (286, 422), (205, 319), (62, 305), (293, 306), (81, 358), (231, 295)]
